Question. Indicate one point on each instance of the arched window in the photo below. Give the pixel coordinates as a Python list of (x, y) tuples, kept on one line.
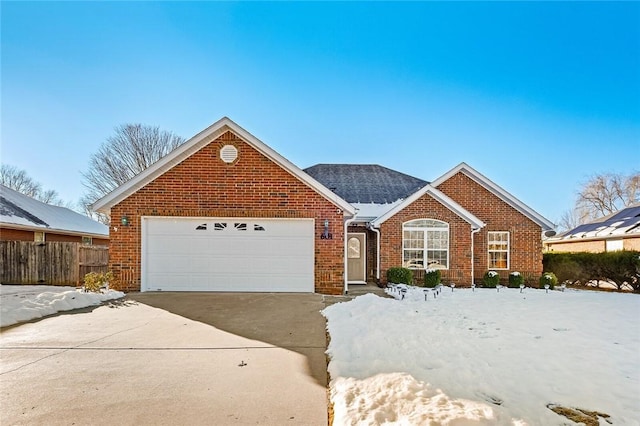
[(425, 244)]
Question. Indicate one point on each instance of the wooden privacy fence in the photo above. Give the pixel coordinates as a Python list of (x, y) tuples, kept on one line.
[(52, 263)]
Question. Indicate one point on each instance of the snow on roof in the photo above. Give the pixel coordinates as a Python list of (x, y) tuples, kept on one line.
[(20, 210), (619, 224), (369, 211)]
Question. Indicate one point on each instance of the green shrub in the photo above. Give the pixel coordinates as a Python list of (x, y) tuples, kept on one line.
[(548, 278), (515, 279), (620, 267), (400, 275), (490, 279), (432, 277), (94, 281)]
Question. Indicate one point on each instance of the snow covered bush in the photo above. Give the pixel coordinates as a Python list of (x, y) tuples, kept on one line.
[(515, 279), (548, 278), (94, 281), (400, 275), (490, 279), (432, 277)]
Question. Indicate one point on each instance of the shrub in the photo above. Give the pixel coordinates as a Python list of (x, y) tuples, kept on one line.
[(400, 275), (490, 279), (548, 278), (94, 281), (620, 267), (432, 277), (515, 279)]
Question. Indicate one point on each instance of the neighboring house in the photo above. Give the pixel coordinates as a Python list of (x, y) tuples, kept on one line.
[(224, 212), (23, 218), (617, 231)]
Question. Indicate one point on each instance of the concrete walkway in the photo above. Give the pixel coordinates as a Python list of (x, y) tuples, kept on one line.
[(170, 358)]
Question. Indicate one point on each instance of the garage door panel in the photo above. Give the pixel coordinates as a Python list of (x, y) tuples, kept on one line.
[(234, 254)]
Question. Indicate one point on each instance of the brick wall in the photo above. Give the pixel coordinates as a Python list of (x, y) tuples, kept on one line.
[(577, 246), (7, 234), (525, 235), (427, 208), (593, 246), (632, 243), (205, 186)]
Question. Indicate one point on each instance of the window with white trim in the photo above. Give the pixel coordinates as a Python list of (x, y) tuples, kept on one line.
[(425, 244), (38, 236), (86, 240), (498, 245)]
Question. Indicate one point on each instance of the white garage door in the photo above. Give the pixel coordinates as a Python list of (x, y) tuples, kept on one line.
[(227, 254)]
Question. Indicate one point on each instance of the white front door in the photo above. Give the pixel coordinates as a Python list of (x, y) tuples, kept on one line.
[(356, 257), (227, 254)]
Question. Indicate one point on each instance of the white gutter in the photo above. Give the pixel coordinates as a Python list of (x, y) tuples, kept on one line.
[(377, 231), (346, 225), (473, 231)]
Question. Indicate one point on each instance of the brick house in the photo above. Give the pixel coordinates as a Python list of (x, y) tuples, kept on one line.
[(225, 212), (23, 218)]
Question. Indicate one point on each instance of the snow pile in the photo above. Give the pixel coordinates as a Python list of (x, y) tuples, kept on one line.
[(24, 303), (484, 356)]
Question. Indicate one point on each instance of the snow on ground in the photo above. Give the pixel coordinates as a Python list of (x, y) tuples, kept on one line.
[(484, 357), (27, 302)]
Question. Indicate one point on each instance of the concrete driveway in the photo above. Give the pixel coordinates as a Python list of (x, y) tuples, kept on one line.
[(168, 359)]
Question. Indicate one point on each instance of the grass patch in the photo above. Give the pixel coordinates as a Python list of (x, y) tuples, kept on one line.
[(580, 415)]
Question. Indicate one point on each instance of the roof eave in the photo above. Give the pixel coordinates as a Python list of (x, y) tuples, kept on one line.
[(439, 196), (104, 204), (43, 228), (514, 202)]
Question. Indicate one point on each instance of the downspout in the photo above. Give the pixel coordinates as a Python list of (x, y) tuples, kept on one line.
[(377, 231), (346, 225), (473, 231)]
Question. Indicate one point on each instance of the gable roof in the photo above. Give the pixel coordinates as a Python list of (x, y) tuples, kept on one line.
[(498, 191), (365, 183), (197, 142), (623, 223), (23, 212), (438, 196)]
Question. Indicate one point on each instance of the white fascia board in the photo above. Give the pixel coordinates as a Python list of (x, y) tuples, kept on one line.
[(499, 191), (438, 196), (197, 142)]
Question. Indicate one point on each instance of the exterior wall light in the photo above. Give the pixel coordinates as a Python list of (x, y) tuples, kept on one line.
[(124, 221), (326, 235)]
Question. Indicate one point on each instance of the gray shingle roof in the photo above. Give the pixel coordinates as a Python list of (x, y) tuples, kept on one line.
[(365, 183)]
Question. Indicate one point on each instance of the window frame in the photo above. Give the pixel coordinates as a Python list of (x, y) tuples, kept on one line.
[(494, 250), (87, 240), (423, 244), (38, 240)]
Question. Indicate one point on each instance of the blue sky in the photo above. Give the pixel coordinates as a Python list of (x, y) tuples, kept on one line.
[(536, 96)]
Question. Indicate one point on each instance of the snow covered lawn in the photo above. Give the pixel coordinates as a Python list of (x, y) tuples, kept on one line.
[(484, 357), (21, 303)]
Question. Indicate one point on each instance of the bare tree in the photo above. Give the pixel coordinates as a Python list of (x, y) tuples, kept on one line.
[(570, 219), (132, 149), (601, 195), (607, 193), (20, 181)]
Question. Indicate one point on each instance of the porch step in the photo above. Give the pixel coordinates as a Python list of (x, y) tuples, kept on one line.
[(360, 289), (355, 290)]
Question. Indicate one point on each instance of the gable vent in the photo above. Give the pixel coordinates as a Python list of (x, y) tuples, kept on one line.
[(228, 153)]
